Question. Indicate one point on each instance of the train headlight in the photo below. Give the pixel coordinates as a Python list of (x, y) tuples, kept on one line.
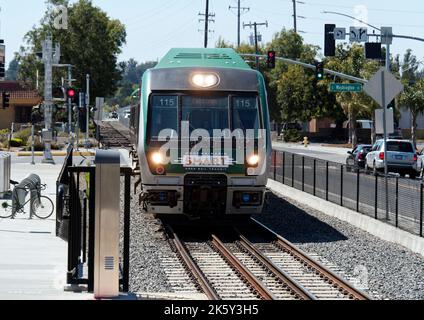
[(156, 158), (253, 161), (205, 80)]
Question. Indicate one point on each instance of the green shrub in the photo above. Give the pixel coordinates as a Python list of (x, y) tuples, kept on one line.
[(23, 135), (292, 135), (16, 143)]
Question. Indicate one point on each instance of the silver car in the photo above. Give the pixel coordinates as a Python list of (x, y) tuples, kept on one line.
[(402, 158)]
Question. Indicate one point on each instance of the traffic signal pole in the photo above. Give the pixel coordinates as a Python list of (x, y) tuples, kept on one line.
[(310, 66)]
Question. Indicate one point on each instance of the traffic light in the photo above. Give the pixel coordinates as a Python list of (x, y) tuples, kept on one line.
[(270, 62), (2, 70), (82, 119), (71, 93), (330, 42), (319, 71), (6, 99)]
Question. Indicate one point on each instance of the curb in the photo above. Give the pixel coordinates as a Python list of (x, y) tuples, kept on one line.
[(377, 228)]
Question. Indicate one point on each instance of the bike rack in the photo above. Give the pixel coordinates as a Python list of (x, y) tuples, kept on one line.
[(32, 185)]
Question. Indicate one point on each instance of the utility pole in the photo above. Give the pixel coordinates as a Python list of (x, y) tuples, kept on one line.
[(240, 9), (255, 26), (207, 19), (294, 16), (49, 58), (69, 102)]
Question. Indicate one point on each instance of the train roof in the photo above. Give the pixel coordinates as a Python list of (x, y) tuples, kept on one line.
[(213, 58)]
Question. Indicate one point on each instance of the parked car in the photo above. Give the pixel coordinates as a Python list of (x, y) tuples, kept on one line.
[(402, 158), (357, 157), (291, 126)]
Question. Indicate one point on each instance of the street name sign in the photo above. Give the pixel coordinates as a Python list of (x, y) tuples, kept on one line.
[(345, 87)]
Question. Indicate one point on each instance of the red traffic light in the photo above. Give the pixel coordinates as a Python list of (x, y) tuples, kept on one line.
[(71, 93), (271, 59)]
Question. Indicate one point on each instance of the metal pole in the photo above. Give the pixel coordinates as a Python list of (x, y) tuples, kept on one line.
[(275, 165), (315, 177), (32, 145), (327, 182), (284, 167), (357, 190), (376, 198), (341, 185), (292, 170), (48, 97), (238, 23), (77, 130), (421, 209), (206, 23), (386, 171), (69, 105), (397, 202), (294, 16), (303, 174), (87, 105), (256, 45)]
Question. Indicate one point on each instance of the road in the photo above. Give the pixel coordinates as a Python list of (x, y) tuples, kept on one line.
[(408, 191)]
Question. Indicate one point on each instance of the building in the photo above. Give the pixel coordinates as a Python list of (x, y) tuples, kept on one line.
[(21, 103)]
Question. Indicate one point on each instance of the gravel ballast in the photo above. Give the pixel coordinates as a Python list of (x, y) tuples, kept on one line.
[(389, 271), (147, 245)]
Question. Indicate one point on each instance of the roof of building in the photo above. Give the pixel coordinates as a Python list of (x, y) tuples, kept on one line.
[(17, 91), (192, 57)]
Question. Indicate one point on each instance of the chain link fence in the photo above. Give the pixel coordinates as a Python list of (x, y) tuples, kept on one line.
[(353, 189)]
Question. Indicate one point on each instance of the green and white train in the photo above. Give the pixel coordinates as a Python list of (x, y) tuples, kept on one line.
[(202, 134)]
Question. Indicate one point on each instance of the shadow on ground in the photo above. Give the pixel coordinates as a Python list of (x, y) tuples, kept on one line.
[(295, 224)]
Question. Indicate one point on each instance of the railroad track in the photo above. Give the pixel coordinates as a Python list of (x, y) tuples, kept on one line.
[(114, 136), (226, 265)]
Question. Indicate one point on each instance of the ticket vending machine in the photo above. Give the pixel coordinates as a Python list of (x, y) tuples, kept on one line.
[(107, 224)]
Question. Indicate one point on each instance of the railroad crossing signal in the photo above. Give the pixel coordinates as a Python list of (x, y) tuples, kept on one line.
[(319, 71), (271, 60)]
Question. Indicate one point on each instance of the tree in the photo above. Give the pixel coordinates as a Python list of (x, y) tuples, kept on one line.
[(351, 60), (12, 71), (91, 43), (412, 99)]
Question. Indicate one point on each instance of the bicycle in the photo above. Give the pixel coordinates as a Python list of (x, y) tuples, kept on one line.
[(42, 206)]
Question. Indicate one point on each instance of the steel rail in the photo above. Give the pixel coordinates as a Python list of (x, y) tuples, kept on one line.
[(193, 268), (324, 272), (232, 260), (300, 292)]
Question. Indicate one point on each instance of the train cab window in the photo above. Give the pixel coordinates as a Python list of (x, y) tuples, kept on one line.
[(163, 115), (245, 113), (208, 113)]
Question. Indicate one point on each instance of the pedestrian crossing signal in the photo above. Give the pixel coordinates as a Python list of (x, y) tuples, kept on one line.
[(271, 60)]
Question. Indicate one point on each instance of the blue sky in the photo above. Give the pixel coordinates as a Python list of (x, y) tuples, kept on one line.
[(154, 26)]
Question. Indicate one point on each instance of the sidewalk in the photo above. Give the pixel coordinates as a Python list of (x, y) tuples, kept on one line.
[(33, 260)]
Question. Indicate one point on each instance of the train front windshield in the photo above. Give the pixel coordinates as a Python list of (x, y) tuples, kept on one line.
[(203, 112)]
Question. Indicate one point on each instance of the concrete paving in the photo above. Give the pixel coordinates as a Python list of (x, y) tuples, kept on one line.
[(33, 260)]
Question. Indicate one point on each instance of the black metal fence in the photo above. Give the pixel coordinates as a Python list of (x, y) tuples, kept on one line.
[(75, 222), (353, 189)]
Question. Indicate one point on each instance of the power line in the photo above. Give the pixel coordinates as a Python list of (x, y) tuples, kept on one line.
[(240, 10)]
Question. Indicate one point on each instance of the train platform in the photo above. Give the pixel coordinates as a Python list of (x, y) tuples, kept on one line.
[(33, 260)]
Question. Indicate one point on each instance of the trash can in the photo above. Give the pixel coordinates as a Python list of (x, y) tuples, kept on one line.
[(5, 166)]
